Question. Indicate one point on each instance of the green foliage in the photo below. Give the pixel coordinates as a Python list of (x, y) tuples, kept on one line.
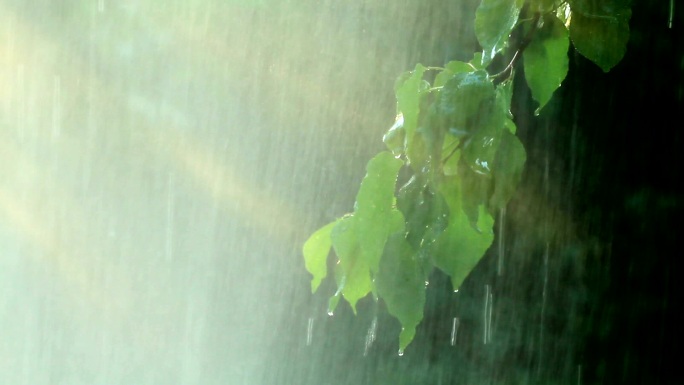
[(546, 60), (600, 30), (455, 141)]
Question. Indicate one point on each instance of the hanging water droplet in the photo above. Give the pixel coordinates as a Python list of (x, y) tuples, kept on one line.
[(330, 313), (401, 352), (427, 283), (455, 290)]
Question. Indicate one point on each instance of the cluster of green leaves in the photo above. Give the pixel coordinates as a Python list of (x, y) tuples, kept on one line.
[(454, 144)]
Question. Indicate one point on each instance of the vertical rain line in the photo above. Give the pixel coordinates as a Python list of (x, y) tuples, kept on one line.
[(309, 331), (56, 106), (579, 374), (671, 17), (170, 214), (542, 315), (370, 336), (454, 330), (100, 6), (486, 314), (489, 316), (502, 218)]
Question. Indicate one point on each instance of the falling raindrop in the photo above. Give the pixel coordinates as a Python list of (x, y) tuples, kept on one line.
[(579, 374), (487, 318), (669, 19), (370, 336), (309, 331), (542, 315), (454, 330)]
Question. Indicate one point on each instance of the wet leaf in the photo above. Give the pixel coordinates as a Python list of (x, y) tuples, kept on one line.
[(546, 60), (401, 285), (316, 250), (425, 210), (408, 89), (473, 192), (508, 168), (466, 102), (494, 20), (394, 137), (451, 154), (599, 30), (355, 272), (452, 68), (504, 94), (375, 212), (461, 246)]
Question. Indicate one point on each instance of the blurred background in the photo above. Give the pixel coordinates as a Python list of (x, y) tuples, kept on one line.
[(162, 163)]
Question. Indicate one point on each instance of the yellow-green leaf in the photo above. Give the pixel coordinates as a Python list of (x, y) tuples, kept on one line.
[(316, 250)]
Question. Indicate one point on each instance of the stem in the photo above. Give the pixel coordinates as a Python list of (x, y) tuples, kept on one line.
[(518, 52)]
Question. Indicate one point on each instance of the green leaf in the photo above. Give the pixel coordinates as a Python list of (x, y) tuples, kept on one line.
[(425, 210), (508, 168), (465, 103), (355, 281), (504, 94), (452, 68), (401, 285), (480, 61), (494, 20), (461, 246), (375, 212), (474, 189), (408, 89), (600, 30), (450, 155), (316, 250), (546, 60), (394, 137)]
